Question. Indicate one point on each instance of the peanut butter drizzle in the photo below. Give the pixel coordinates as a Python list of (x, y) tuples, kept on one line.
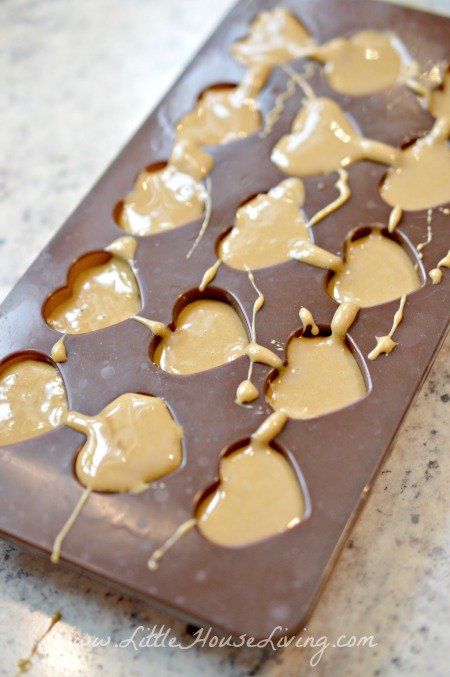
[(162, 199), (157, 328), (59, 352), (344, 194), (368, 62), (385, 344), (24, 664), (265, 227), (275, 37), (323, 139), (274, 114), (307, 320), (421, 246), (307, 252), (207, 334), (246, 391), (394, 218), (206, 218), (436, 273), (158, 554), (209, 275), (321, 374), (131, 443), (258, 496), (100, 296), (376, 269), (33, 400)]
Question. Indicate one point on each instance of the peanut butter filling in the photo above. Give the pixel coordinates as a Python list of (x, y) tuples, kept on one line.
[(99, 296), (162, 199), (207, 334), (376, 269), (131, 443), (368, 62), (323, 139), (222, 114), (265, 228), (258, 496), (321, 374), (416, 179), (275, 37), (33, 400)]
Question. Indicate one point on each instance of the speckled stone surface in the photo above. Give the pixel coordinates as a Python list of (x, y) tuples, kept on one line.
[(77, 80)]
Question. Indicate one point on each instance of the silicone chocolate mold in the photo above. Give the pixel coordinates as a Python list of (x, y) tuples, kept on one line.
[(279, 59)]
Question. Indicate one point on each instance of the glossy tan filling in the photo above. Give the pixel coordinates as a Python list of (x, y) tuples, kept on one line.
[(376, 270), (208, 333), (131, 443), (32, 400), (100, 296)]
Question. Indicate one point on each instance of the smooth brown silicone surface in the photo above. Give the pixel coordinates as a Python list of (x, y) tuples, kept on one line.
[(272, 583)]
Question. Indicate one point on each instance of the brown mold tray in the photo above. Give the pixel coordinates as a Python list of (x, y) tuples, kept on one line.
[(273, 583)]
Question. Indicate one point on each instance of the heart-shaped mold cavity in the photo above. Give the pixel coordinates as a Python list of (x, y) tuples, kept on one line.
[(376, 269), (33, 397), (265, 228), (101, 291), (163, 198), (321, 372), (323, 139), (367, 62), (208, 330), (415, 180), (223, 113), (259, 494), (275, 37), (130, 443)]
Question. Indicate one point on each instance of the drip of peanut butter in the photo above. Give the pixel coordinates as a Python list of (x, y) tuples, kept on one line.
[(59, 352), (258, 496), (246, 391), (323, 139), (162, 199), (344, 195), (421, 246), (321, 374), (386, 344), (415, 181), (368, 62), (275, 37), (131, 443), (436, 273), (33, 400), (207, 334), (376, 269), (25, 664), (307, 320), (209, 275), (303, 250), (265, 228), (99, 296)]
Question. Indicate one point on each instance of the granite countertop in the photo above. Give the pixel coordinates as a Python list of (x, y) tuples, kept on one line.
[(78, 79)]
